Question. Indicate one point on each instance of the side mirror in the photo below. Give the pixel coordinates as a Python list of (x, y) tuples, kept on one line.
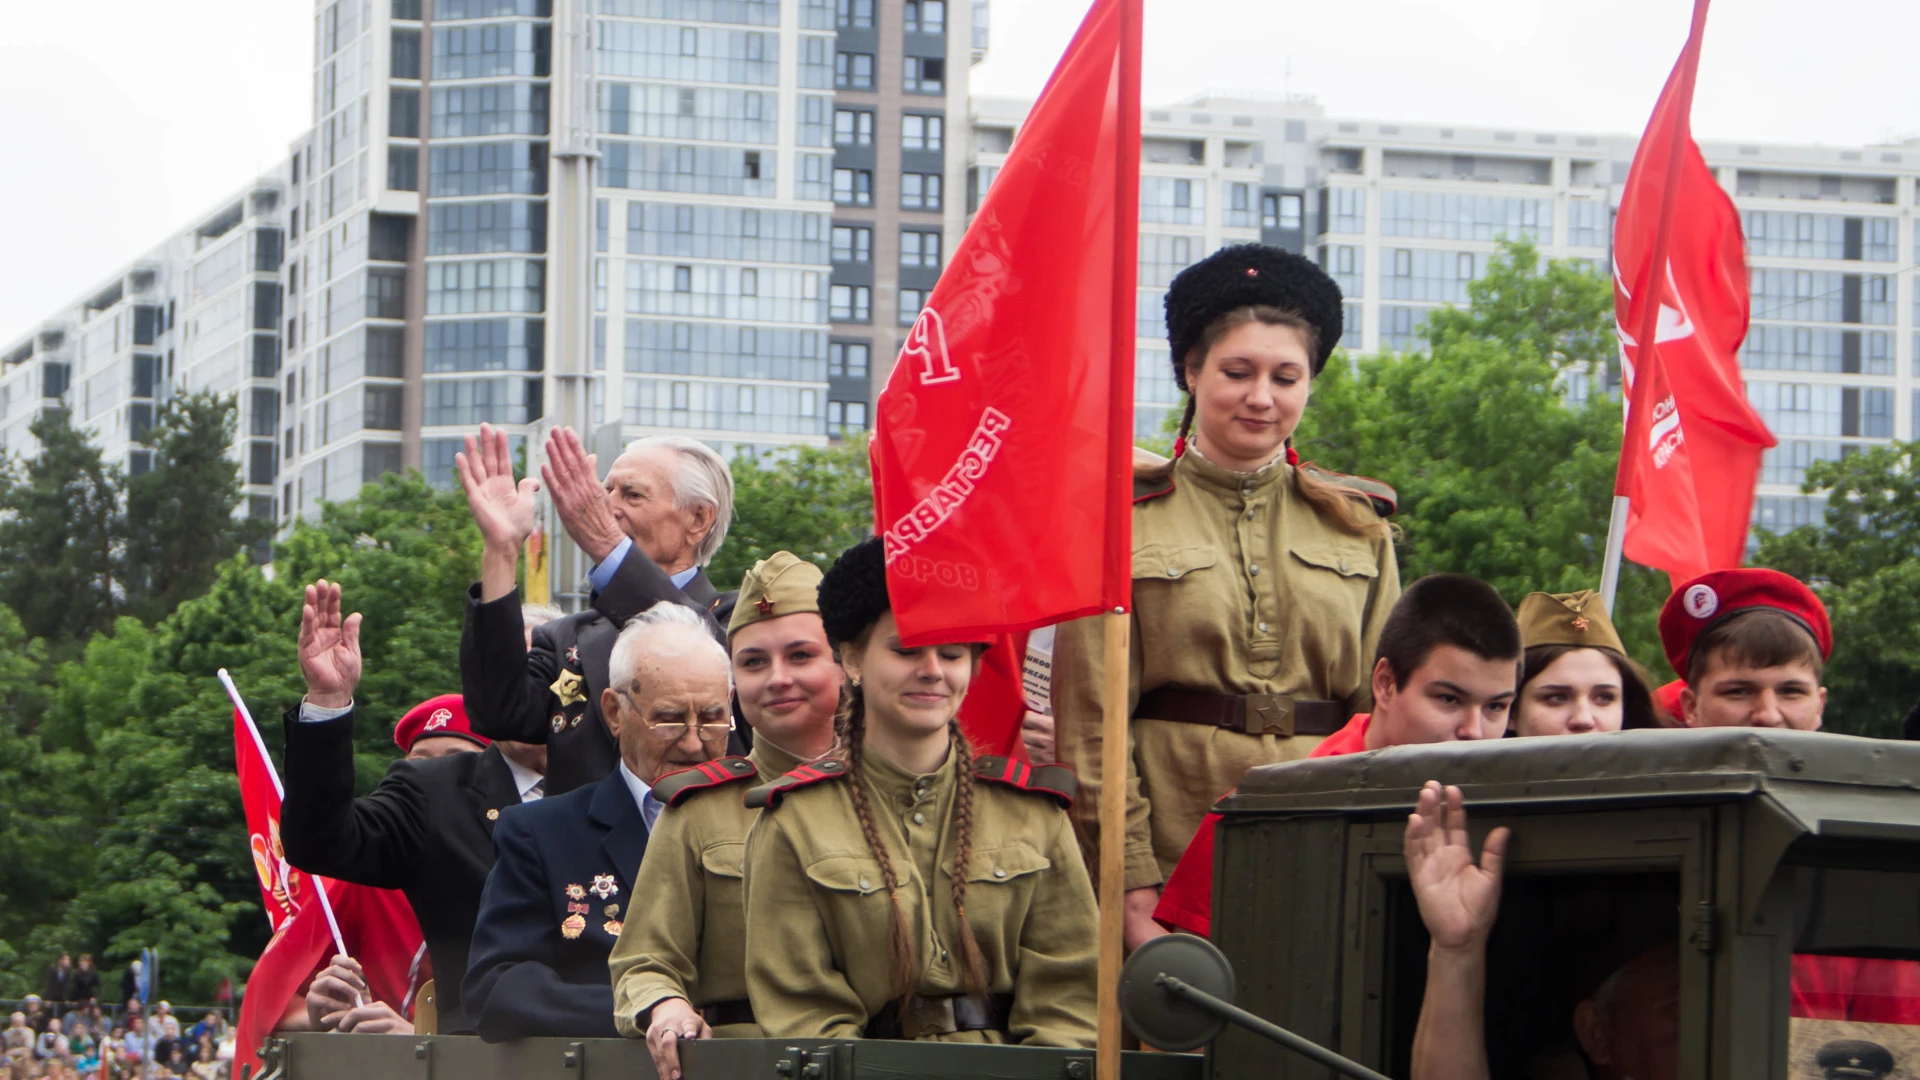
[(1175, 994)]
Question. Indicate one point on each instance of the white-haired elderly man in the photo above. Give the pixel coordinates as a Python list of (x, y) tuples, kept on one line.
[(657, 521), (562, 878)]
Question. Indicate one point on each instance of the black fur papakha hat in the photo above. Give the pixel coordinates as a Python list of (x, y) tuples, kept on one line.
[(853, 594), (1243, 276)]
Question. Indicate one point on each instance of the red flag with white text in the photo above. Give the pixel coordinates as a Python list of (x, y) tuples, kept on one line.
[(1691, 451), (1003, 440)]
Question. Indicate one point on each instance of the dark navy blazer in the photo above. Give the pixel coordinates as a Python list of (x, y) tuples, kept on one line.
[(561, 881)]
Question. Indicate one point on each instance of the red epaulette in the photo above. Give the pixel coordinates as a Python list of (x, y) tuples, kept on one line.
[(675, 787), (1057, 782), (768, 796), (1385, 500)]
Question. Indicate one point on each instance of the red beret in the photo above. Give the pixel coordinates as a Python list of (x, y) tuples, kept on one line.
[(443, 715), (1715, 597)]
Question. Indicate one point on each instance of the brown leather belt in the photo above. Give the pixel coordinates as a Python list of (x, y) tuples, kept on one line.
[(925, 1016), (719, 1013), (1250, 714)]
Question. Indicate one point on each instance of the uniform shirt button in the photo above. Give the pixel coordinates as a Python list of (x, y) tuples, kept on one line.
[(863, 884), (1254, 570), (997, 872), (1344, 568), (1173, 571), (1263, 628), (919, 818)]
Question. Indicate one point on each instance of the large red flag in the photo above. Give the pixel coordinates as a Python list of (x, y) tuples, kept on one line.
[(1003, 438), (283, 889), (1691, 451)]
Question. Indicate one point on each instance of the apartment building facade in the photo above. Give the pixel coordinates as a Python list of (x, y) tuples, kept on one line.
[(1406, 216)]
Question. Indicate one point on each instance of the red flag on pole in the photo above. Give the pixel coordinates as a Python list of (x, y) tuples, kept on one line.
[(283, 889), (1691, 451), (1003, 438)]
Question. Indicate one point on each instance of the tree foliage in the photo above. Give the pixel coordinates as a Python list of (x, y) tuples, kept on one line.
[(180, 523), (59, 543), (815, 503)]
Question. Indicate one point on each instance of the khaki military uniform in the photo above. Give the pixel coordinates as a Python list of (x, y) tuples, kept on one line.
[(1239, 587), (690, 939), (817, 907)]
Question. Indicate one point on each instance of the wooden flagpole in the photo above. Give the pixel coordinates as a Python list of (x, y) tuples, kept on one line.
[(1113, 717)]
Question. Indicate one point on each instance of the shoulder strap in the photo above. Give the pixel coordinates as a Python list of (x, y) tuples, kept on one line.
[(768, 796), (1056, 782), (677, 787), (1151, 479), (1385, 500)]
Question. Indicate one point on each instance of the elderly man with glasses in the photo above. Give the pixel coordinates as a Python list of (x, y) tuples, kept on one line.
[(564, 867)]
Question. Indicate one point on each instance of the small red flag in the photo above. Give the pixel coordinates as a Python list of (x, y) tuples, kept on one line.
[(1691, 451), (283, 890), (1003, 439)]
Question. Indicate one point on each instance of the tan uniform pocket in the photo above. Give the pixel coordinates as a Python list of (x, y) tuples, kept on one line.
[(847, 874), (1171, 562), (726, 860), (1347, 560)]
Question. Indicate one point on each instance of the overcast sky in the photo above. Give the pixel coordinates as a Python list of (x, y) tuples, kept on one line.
[(123, 119)]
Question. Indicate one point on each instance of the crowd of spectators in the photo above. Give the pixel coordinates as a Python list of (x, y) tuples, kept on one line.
[(67, 1034)]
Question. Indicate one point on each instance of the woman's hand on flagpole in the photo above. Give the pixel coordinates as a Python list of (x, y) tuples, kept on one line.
[(329, 647)]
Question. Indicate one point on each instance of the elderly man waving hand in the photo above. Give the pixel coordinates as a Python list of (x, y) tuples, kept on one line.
[(658, 519)]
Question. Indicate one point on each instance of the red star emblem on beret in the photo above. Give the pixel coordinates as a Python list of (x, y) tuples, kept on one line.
[(765, 607), (1252, 272)]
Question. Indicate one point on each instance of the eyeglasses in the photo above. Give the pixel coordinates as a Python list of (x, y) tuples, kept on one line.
[(677, 730)]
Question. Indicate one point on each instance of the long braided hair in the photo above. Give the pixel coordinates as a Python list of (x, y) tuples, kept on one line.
[(850, 724)]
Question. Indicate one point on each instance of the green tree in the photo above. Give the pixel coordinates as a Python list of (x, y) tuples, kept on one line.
[(815, 503), (1501, 473), (59, 546), (1864, 560), (180, 514)]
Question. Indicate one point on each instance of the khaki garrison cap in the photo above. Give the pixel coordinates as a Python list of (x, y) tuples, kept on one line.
[(1577, 619), (780, 584)]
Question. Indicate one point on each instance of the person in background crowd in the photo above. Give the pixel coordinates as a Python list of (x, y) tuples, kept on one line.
[(681, 972), (658, 520), (18, 1039), (563, 872), (427, 829), (59, 980), (84, 1047), (988, 931), (133, 1045), (206, 1064), (37, 1014), (1751, 645), (86, 979), (1626, 1025), (1576, 678), (52, 1043), (133, 982), (1259, 585), (1445, 670)]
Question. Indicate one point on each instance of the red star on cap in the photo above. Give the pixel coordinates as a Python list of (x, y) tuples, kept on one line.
[(765, 606), (1252, 272)]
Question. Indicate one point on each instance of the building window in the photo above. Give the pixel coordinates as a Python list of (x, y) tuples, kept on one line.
[(854, 14), (852, 127), (683, 279), (920, 249), (847, 359), (920, 132), (919, 191), (911, 301), (1239, 205), (853, 187), (853, 71), (852, 243), (846, 418), (925, 75), (745, 403), (926, 16), (383, 408), (850, 303)]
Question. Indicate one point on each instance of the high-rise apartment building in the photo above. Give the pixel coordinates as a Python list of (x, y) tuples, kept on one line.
[(1405, 216), (199, 311)]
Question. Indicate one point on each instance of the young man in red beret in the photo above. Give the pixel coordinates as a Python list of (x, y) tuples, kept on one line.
[(1751, 644), (1445, 670)]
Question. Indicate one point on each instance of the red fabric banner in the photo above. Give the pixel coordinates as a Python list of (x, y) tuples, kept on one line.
[(1691, 451), (1003, 439), (283, 890)]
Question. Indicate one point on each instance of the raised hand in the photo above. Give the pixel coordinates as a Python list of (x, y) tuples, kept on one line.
[(1458, 900), (579, 498), (329, 647), (504, 511)]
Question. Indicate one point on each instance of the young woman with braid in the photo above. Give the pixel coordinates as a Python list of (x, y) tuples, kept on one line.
[(908, 889)]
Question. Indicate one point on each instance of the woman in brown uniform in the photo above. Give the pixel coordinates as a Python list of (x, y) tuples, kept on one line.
[(1259, 585), (910, 890)]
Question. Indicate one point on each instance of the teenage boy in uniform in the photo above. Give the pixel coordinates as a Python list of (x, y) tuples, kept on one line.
[(1446, 669)]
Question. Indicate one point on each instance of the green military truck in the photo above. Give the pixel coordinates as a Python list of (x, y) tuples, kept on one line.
[(1747, 848)]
